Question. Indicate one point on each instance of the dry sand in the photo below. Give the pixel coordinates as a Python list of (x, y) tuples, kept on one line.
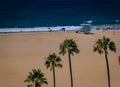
[(21, 52)]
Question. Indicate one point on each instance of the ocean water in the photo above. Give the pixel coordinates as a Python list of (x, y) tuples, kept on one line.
[(42, 17)]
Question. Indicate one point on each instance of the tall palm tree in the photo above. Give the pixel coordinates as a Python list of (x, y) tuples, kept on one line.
[(36, 77), (52, 62), (102, 46), (69, 46)]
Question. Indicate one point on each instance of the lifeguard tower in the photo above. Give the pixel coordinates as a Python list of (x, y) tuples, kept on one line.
[(86, 26)]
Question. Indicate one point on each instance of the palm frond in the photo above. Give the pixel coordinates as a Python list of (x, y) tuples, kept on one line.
[(47, 63), (112, 46), (36, 76), (62, 49), (59, 65), (103, 44), (100, 51), (26, 80), (69, 45), (100, 41), (58, 59), (52, 61), (30, 85)]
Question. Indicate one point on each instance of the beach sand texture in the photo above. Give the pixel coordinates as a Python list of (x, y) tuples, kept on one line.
[(22, 52)]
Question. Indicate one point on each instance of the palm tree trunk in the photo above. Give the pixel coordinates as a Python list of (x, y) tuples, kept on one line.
[(36, 84), (54, 76), (108, 71), (70, 65)]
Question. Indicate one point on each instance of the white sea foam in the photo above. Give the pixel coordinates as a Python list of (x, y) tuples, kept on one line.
[(57, 28), (39, 29)]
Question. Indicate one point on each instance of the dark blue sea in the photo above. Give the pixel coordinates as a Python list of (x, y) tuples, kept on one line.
[(28, 14)]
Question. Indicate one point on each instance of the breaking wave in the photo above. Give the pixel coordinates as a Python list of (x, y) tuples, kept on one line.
[(35, 29)]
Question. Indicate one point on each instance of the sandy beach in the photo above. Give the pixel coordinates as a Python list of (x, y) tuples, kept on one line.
[(22, 52)]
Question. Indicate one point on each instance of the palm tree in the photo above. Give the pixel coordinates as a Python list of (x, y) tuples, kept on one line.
[(52, 62), (69, 46), (102, 46), (36, 77)]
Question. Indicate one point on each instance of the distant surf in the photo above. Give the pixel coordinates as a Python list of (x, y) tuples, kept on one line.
[(39, 29), (58, 28)]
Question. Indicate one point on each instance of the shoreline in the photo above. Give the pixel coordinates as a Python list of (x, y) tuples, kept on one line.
[(59, 31), (58, 28)]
